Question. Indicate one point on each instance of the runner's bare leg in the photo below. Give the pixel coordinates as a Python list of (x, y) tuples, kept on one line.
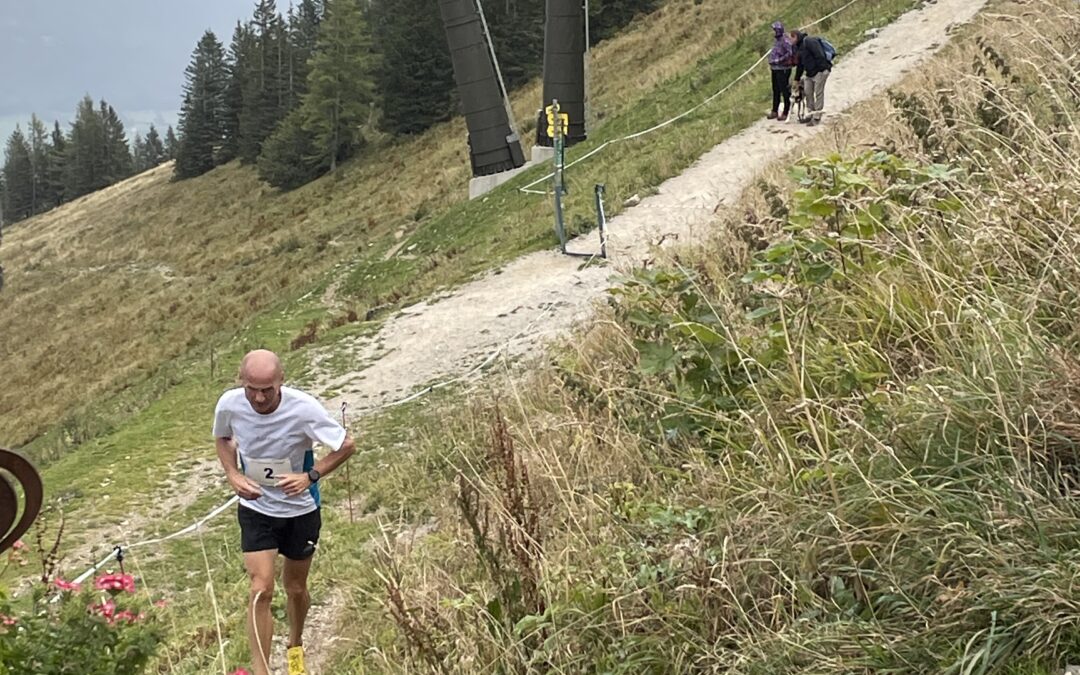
[(260, 624), (295, 577)]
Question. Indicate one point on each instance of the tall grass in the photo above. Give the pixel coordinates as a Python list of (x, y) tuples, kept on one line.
[(843, 438)]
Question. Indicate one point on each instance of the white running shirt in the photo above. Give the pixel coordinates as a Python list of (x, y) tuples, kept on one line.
[(275, 443)]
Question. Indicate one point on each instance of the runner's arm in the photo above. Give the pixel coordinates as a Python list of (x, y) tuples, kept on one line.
[(241, 484), (295, 483), (333, 460)]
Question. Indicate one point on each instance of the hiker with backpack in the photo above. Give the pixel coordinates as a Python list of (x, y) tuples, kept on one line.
[(815, 56), (781, 60)]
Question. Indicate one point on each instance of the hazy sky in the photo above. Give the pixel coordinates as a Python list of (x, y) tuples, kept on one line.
[(132, 53)]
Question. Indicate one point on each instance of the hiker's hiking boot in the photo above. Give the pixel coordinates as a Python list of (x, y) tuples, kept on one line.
[(782, 118), (295, 657), (771, 116)]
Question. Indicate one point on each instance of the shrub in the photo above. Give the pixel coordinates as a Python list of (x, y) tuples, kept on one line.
[(104, 630)]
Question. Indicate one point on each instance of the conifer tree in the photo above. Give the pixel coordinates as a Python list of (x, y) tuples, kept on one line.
[(57, 166), (18, 196), (289, 157), (117, 154), (415, 77), (138, 153), (202, 115), (517, 33), (263, 92), (303, 27), (240, 65), (85, 164), (340, 87), (153, 149), (38, 140), (171, 143)]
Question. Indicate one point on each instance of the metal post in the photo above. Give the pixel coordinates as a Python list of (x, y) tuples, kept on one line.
[(588, 66), (560, 229), (348, 478), (601, 219)]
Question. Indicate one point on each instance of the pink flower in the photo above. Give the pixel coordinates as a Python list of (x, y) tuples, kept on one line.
[(19, 545), (8, 620), (66, 585), (240, 671), (115, 583), (128, 616), (161, 603), (105, 609)]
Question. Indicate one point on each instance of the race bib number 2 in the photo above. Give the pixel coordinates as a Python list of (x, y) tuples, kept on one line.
[(267, 471)]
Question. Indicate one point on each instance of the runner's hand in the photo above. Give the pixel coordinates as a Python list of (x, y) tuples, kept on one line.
[(244, 486), (294, 483)]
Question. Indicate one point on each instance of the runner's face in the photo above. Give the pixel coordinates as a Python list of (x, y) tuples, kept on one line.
[(264, 395)]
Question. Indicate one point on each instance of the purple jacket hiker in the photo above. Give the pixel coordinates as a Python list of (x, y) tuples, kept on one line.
[(781, 59), (782, 55)]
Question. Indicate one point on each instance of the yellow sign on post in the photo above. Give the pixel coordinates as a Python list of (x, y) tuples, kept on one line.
[(564, 121)]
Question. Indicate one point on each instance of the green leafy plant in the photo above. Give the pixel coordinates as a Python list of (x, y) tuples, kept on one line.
[(106, 630)]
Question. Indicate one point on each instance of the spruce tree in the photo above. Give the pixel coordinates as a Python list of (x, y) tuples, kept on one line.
[(263, 94), (153, 149), (138, 153), (289, 157), (517, 33), (303, 35), (118, 162), (171, 144), (40, 151), (415, 76), (18, 178), (57, 166), (340, 87), (202, 115), (85, 163), (240, 65)]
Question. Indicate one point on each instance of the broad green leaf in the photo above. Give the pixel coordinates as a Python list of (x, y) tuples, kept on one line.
[(704, 334), (656, 358)]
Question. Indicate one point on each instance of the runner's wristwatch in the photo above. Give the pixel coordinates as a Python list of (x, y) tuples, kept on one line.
[(313, 475)]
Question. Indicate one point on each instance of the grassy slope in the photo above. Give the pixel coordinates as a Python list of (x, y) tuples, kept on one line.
[(104, 293), (150, 449), (880, 477)]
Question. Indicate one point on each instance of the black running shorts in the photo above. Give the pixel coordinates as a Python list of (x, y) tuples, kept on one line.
[(295, 538)]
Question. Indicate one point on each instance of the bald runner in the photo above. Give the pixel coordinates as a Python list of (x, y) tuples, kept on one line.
[(265, 435)]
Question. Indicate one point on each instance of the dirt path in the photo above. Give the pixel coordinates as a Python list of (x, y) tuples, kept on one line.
[(541, 294)]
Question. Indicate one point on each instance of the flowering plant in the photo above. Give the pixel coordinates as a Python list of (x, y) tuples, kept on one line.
[(68, 629), (115, 583)]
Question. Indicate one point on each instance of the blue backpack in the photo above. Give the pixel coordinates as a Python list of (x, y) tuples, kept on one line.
[(830, 51)]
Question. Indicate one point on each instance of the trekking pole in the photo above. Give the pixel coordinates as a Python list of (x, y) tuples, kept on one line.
[(348, 479)]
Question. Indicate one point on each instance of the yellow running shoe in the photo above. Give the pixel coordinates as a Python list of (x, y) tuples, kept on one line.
[(295, 655)]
